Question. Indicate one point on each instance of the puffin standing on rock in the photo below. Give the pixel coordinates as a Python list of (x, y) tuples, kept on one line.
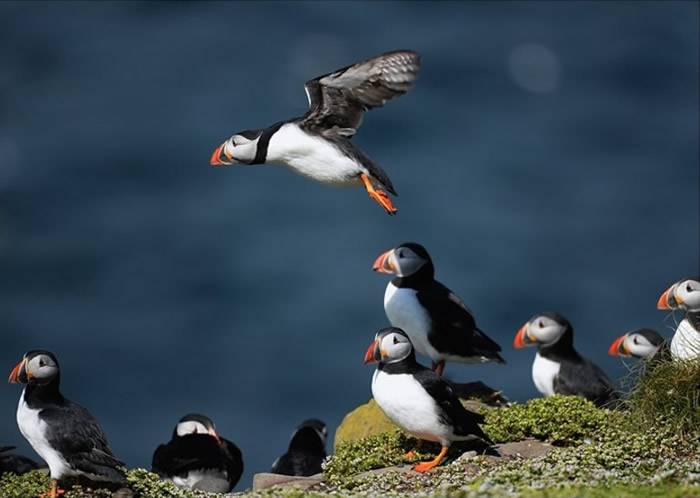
[(198, 458), (640, 343), (558, 368), (307, 450), (416, 399), (317, 145), (684, 295), (436, 320), (63, 433)]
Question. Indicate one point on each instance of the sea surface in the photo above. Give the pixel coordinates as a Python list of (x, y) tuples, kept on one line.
[(547, 158)]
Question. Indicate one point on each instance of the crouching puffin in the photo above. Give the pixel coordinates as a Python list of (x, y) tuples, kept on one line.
[(317, 145), (63, 433), (416, 399), (15, 464), (198, 458), (436, 320), (640, 343), (307, 450), (558, 368), (684, 295)]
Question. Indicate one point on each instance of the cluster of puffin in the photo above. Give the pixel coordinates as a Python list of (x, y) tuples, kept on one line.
[(426, 318)]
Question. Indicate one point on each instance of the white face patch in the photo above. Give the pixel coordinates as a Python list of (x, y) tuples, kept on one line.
[(42, 367), (687, 295), (241, 149), (545, 330), (395, 347), (406, 261), (191, 427), (639, 346)]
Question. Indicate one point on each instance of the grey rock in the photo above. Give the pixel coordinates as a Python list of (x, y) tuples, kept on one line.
[(528, 448), (266, 480)]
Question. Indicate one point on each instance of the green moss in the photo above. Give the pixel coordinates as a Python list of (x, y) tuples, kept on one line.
[(25, 486), (148, 485), (562, 420)]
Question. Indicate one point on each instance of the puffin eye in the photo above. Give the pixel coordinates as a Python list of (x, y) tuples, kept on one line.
[(541, 324), (400, 253), (42, 363), (688, 288), (396, 341), (634, 340)]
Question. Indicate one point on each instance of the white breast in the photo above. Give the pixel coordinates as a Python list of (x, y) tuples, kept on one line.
[(543, 373), (313, 157), (211, 480), (34, 431), (402, 398), (405, 312), (685, 344)]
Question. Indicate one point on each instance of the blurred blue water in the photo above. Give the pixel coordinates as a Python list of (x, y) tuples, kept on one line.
[(548, 159)]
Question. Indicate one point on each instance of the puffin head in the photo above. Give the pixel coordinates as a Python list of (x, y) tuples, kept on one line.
[(310, 432), (640, 343), (195, 423), (684, 295), (390, 345), (404, 260), (37, 367), (544, 329), (240, 148)]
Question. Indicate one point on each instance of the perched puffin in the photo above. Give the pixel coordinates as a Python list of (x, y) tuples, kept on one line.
[(684, 295), (307, 450), (416, 398), (63, 433), (317, 145), (15, 464), (558, 367), (438, 323), (640, 343), (198, 458)]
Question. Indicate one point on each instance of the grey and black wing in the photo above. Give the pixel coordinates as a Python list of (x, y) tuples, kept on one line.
[(187, 453), (463, 421), (587, 380), (338, 100), (453, 327), (233, 461), (75, 433)]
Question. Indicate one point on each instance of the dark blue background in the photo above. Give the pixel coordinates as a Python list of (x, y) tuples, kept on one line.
[(166, 286)]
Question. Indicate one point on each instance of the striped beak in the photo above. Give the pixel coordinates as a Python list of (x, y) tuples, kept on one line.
[(522, 337), (373, 355), (18, 373), (617, 348), (667, 300), (385, 263), (216, 156)]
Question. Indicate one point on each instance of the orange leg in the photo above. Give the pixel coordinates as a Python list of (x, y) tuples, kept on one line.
[(439, 368), (425, 466), (54, 491), (378, 196)]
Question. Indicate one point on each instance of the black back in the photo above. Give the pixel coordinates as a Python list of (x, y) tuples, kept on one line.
[(305, 454)]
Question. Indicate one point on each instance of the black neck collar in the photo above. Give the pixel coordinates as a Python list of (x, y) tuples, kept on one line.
[(408, 365), (562, 349), (421, 278), (40, 395), (264, 143)]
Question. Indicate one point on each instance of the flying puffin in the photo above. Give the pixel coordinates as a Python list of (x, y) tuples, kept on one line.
[(684, 295), (15, 464), (63, 433), (558, 368), (438, 323), (640, 343), (317, 145), (416, 398), (198, 458), (307, 450)]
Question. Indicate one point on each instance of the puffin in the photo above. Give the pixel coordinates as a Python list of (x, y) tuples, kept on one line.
[(417, 399), (15, 464), (558, 368), (318, 144), (684, 295), (639, 343), (306, 452), (198, 458), (437, 321), (64, 434)]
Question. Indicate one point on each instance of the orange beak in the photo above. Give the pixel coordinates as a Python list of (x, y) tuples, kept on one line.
[(617, 348), (383, 263), (369, 355), (663, 302), (521, 340), (215, 159), (14, 375)]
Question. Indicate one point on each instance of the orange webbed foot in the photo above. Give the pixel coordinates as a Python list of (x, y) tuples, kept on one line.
[(426, 466), (378, 195)]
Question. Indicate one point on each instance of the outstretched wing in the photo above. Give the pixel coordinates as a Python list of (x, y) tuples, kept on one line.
[(454, 328), (337, 100)]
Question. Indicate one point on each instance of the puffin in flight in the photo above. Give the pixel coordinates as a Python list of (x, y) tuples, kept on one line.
[(15, 464), (198, 458), (307, 450), (416, 399), (639, 343), (63, 433), (684, 295), (317, 145), (558, 368), (436, 320)]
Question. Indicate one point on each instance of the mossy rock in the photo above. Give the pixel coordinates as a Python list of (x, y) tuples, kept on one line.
[(364, 421)]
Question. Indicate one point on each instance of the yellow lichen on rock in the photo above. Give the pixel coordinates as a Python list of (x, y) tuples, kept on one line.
[(364, 421)]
